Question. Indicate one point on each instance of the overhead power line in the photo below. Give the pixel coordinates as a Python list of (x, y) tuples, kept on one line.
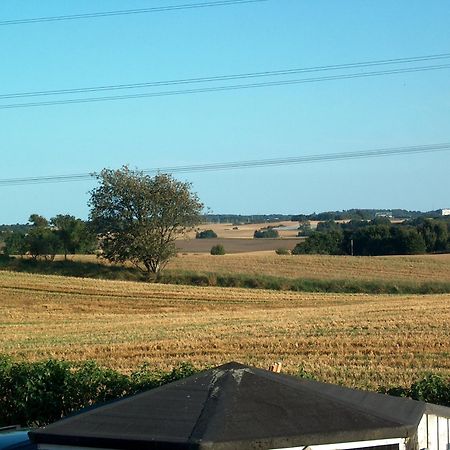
[(125, 12), (225, 87), (287, 161), (267, 73)]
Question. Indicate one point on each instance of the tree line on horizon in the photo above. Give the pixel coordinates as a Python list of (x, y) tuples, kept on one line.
[(240, 219)]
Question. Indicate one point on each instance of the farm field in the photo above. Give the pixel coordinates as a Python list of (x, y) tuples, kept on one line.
[(413, 268), (236, 245), (356, 339), (239, 239), (245, 231), (386, 268)]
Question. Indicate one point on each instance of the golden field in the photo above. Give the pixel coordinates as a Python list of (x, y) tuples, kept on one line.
[(245, 231), (356, 339), (413, 268), (417, 268)]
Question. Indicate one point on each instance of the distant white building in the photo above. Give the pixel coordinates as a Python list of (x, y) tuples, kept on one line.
[(387, 214), (445, 212)]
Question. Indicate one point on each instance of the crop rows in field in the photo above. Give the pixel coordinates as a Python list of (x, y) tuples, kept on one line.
[(360, 340)]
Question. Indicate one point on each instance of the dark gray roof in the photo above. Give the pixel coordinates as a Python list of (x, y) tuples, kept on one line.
[(238, 407)]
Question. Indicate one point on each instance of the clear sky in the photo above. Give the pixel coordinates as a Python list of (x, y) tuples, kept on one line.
[(283, 121)]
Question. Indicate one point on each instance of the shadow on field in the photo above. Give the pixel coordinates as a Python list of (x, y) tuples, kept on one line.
[(72, 269), (119, 272)]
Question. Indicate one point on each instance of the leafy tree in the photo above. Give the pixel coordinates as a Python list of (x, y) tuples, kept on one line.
[(380, 220), (435, 234), (304, 228), (38, 221), (329, 243), (73, 234), (268, 233), (373, 240), (206, 234), (406, 241), (370, 240), (42, 242), (15, 244), (139, 217), (329, 225)]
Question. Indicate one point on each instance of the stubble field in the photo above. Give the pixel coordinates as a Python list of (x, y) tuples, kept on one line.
[(356, 339), (414, 268)]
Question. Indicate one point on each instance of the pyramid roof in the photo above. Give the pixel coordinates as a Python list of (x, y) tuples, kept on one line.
[(234, 406)]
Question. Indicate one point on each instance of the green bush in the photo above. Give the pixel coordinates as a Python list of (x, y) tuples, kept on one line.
[(35, 394), (218, 249), (432, 389), (282, 251)]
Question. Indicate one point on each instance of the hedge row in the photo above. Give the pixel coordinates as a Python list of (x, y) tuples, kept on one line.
[(302, 284), (35, 394)]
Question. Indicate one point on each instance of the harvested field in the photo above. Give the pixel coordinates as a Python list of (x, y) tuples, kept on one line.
[(236, 245), (412, 268), (387, 268), (245, 231), (359, 340)]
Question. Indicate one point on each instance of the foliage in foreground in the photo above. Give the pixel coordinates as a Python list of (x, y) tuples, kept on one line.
[(35, 394), (432, 388)]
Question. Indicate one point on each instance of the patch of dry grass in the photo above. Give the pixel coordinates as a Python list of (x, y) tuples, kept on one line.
[(360, 340)]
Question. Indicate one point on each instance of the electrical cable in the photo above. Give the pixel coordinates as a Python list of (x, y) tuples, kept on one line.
[(224, 88), (267, 73), (127, 12), (380, 152)]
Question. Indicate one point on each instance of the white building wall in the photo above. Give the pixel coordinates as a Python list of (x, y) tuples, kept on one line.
[(434, 433), (352, 445)]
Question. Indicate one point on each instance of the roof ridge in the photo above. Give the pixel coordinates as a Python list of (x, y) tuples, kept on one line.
[(220, 377)]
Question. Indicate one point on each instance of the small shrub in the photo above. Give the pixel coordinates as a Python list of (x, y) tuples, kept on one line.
[(302, 373), (218, 249), (282, 251)]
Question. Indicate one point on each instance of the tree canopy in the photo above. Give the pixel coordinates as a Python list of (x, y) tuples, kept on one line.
[(138, 217)]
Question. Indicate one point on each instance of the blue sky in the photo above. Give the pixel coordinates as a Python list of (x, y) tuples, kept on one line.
[(314, 118)]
